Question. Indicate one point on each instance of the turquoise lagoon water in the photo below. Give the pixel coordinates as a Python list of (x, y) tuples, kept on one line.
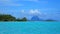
[(30, 27)]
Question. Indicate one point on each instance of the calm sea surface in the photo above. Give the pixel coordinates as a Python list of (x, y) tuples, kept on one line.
[(30, 27)]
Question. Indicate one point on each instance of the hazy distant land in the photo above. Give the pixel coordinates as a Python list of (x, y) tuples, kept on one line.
[(5, 17)]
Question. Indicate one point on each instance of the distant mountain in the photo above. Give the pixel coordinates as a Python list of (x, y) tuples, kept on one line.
[(35, 18)]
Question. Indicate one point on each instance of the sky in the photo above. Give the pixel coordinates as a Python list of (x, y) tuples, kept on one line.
[(44, 9)]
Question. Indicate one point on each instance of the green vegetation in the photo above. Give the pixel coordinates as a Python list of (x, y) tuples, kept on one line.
[(23, 19), (10, 18)]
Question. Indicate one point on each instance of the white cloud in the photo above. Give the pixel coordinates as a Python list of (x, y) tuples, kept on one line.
[(35, 12)]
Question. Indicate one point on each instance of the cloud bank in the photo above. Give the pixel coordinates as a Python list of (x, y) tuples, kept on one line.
[(36, 11)]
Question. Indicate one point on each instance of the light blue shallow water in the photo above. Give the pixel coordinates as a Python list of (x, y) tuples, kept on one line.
[(29, 27)]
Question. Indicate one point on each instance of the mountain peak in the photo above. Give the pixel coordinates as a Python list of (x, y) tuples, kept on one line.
[(35, 18)]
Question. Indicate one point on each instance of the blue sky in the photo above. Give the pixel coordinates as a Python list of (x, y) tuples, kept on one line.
[(45, 9)]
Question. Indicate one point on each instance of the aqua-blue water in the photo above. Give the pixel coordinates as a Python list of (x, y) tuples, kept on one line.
[(29, 27)]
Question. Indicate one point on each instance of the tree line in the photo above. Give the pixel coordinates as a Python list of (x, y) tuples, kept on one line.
[(4, 17)]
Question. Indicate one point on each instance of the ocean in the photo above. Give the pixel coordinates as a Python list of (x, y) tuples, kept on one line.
[(32, 27)]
